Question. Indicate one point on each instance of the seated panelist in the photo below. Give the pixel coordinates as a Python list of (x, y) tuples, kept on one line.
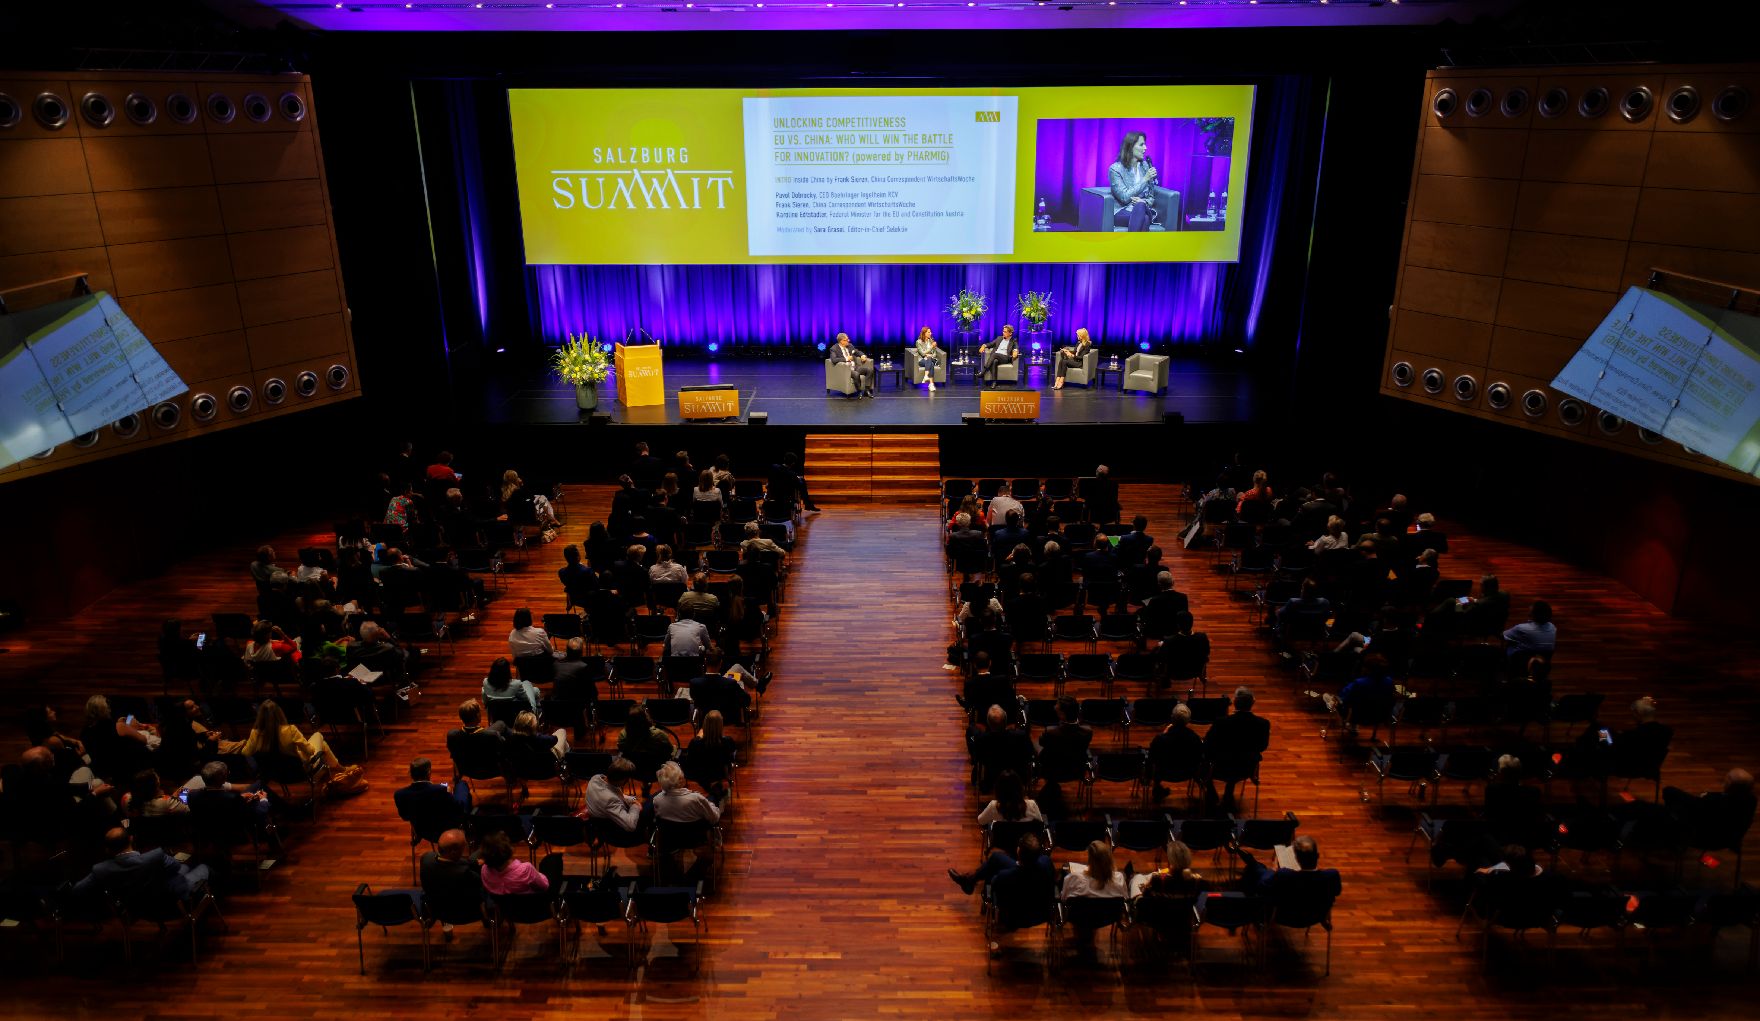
[(928, 357), (861, 367), (1004, 349), (1068, 356)]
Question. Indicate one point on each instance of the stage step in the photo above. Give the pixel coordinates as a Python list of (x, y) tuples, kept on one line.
[(895, 468)]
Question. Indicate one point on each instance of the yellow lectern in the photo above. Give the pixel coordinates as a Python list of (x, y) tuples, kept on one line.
[(639, 383)]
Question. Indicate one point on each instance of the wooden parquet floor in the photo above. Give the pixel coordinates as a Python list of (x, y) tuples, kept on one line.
[(834, 901)]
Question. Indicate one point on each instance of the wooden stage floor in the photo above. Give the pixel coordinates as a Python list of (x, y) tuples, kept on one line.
[(792, 392), (835, 902)]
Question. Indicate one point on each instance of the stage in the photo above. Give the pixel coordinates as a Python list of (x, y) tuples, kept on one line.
[(791, 392)]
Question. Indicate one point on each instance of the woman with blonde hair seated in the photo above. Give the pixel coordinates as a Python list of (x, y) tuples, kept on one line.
[(1068, 356), (272, 734), (1099, 879), (1335, 536)]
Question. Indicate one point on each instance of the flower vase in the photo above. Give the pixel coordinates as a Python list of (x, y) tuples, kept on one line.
[(586, 396)]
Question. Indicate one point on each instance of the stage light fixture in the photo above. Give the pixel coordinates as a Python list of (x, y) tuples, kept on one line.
[(714, 346), (1142, 345), (821, 345)]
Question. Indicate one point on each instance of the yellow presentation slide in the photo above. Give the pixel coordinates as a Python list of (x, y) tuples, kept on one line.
[(731, 176)]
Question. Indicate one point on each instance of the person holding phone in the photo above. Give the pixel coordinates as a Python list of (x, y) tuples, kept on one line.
[(1133, 181)]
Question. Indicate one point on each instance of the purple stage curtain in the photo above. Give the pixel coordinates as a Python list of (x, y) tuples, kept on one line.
[(1076, 154)]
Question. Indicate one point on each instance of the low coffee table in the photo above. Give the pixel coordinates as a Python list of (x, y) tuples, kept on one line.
[(895, 370)]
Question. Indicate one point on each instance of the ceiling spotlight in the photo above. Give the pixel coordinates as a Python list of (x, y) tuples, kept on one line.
[(690, 5)]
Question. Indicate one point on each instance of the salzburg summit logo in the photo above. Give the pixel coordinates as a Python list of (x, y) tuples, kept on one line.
[(640, 177)]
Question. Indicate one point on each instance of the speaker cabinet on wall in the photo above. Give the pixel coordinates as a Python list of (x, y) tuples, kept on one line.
[(199, 202), (1538, 196)]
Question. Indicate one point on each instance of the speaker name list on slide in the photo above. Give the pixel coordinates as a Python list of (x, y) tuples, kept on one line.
[(880, 175)]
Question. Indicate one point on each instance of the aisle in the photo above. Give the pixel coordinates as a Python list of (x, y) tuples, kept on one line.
[(856, 801)]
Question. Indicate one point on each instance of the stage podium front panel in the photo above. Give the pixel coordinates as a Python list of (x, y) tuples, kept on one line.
[(708, 402), (1011, 405), (640, 383)]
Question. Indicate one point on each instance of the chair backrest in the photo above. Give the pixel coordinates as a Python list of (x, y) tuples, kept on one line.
[(504, 708), (1231, 910), (481, 824), (1265, 834), (392, 907), (525, 908), (539, 668), (1208, 709), (1077, 834), (453, 909), (666, 903), (1203, 834), (563, 625), (1103, 712), (559, 830), (1157, 712), (1093, 912)]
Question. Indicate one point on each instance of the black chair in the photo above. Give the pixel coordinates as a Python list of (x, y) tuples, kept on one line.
[(1135, 667), (1076, 834), (1142, 835), (158, 907), (1204, 834), (1304, 917), (1265, 834), (1128, 767), (1206, 711), (612, 713), (1090, 914), (509, 911), (538, 668), (605, 835), (1089, 667), (1106, 712), (1005, 834), (671, 839), (1234, 912), (580, 766), (1152, 712), (385, 909), (563, 626), (480, 824), (1078, 627), (664, 905), (1415, 766), (632, 671), (596, 903), (444, 910)]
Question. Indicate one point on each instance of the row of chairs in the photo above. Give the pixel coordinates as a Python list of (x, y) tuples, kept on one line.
[(570, 905)]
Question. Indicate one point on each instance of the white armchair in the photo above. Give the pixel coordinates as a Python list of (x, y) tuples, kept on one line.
[(1145, 372)]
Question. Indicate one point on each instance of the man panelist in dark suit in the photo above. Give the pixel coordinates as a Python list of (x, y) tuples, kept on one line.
[(1003, 350), (861, 367)]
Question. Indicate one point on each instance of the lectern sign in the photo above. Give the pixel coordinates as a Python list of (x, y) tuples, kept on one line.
[(1020, 406), (708, 402)]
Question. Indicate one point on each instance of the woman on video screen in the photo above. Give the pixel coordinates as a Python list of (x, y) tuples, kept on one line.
[(1133, 184)]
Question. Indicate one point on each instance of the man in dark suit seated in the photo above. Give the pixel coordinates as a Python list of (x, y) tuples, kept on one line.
[(1101, 494), (646, 469), (1142, 581), (429, 807), (1640, 750), (1010, 534), (1063, 746), (1175, 753), (1160, 614), (986, 688), (965, 540), (724, 692), (449, 874), (472, 742), (1134, 545), (1306, 891), (999, 747), (1715, 819), (129, 873), (1235, 744), (573, 680), (1022, 884)]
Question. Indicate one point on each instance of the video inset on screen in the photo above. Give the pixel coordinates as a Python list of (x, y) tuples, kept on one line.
[(1132, 174)]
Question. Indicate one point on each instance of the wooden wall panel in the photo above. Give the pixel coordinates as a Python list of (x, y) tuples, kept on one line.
[(1460, 340), (1548, 308), (297, 339), (1474, 153), (43, 223), (1529, 352), (42, 166), (159, 214), (1699, 219), (1703, 162), (273, 299), (1462, 295), (123, 163), (1739, 268), (1465, 200), (170, 265), (266, 253), (166, 216), (1582, 210), (269, 157), (1587, 157), (174, 315), (1562, 259), (16, 270), (1596, 203), (1456, 247), (269, 205), (214, 356)]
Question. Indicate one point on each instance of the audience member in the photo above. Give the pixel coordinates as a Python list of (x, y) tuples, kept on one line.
[(1534, 636), (678, 803), (1304, 891), (1099, 879), (1715, 819), (505, 873), (1235, 744), (500, 683), (999, 747), (1177, 753), (1011, 803), (708, 760), (1022, 885), (526, 639), (128, 873), (605, 798), (1063, 746)]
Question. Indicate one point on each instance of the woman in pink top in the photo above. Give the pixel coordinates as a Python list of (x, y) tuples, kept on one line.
[(503, 873)]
